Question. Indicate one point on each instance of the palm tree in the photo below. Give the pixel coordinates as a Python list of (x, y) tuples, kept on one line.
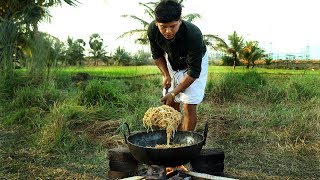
[(22, 16), (149, 11), (251, 52), (236, 45), (97, 49), (75, 51), (234, 48), (29, 13), (141, 33)]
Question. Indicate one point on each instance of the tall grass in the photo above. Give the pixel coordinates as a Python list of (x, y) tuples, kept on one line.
[(235, 85), (268, 125), (56, 135), (8, 43)]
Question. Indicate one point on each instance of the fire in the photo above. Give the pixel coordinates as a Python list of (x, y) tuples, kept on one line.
[(172, 169)]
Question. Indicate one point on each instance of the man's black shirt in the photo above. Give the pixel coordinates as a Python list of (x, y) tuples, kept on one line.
[(185, 50)]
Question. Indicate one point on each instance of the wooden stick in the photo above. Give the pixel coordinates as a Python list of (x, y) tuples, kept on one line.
[(134, 178)]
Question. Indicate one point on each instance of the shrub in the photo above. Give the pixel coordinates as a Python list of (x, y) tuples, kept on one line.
[(141, 58), (234, 84), (100, 92), (121, 57), (56, 136), (228, 61), (268, 60), (42, 97), (273, 94), (304, 87)]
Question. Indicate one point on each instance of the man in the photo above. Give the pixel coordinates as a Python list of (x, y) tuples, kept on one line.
[(185, 67)]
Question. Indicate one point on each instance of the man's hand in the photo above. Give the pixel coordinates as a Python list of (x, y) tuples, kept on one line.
[(166, 82), (168, 99)]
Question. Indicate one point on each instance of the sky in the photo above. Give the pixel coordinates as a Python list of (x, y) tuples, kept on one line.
[(280, 26)]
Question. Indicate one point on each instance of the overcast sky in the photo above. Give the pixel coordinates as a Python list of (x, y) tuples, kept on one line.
[(281, 26)]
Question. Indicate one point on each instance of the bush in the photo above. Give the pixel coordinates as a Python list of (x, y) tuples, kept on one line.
[(228, 61), (235, 84), (100, 92), (141, 58), (273, 94), (304, 87), (42, 97), (122, 57), (268, 60), (56, 136)]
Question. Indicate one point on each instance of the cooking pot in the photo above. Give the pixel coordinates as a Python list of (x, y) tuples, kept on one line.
[(142, 146)]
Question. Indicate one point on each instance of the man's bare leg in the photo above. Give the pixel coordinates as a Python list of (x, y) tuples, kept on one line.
[(176, 106), (190, 117)]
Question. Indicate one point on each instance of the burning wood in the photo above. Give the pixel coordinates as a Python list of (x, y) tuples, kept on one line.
[(177, 168), (180, 172)]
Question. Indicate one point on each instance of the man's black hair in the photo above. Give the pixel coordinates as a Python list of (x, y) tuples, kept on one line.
[(168, 11)]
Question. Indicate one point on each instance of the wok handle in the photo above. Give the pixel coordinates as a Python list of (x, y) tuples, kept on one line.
[(205, 133), (124, 134)]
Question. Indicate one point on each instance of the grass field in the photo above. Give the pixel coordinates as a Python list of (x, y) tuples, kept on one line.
[(266, 121)]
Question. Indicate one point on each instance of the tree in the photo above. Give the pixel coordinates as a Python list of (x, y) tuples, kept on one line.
[(234, 49), (75, 51), (251, 52), (121, 57), (21, 16), (97, 49), (236, 45), (141, 58)]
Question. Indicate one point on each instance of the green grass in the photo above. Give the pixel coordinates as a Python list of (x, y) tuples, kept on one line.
[(114, 71), (267, 121)]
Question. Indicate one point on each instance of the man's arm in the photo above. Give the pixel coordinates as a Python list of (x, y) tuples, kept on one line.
[(184, 84), (162, 65)]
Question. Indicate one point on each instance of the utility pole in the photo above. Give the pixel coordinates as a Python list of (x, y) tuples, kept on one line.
[(270, 50), (308, 52)]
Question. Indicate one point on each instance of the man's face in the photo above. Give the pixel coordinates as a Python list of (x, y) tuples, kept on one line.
[(169, 29)]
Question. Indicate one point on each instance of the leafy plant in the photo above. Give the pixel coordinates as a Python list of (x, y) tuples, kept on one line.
[(97, 49), (99, 93), (75, 51), (121, 57), (229, 61), (234, 48), (252, 52), (268, 60), (228, 88), (141, 58)]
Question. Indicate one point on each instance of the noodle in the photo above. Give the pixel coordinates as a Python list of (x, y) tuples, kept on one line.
[(165, 117)]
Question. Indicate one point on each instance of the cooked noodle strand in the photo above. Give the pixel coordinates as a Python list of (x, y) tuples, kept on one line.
[(165, 117)]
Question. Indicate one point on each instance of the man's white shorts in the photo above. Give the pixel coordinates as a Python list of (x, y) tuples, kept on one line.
[(195, 92)]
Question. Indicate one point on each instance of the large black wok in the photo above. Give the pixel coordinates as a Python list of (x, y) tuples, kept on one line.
[(141, 146)]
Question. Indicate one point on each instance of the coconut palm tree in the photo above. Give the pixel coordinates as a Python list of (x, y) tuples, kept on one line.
[(236, 44), (28, 13), (252, 52), (141, 33), (22, 16)]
